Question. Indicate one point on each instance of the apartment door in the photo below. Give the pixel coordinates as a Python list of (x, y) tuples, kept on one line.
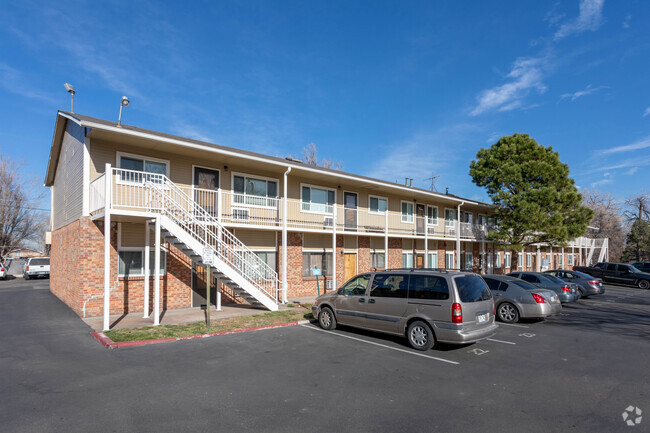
[(419, 261), (350, 204), (206, 184), (419, 219), (350, 265)]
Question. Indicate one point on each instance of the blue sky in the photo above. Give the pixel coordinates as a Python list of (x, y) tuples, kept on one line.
[(391, 89)]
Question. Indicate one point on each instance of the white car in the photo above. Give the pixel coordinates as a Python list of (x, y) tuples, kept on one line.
[(3, 272), (36, 267)]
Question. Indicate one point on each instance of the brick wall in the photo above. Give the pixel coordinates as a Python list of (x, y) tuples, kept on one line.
[(363, 254)]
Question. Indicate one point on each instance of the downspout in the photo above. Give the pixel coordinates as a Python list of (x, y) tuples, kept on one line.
[(458, 235), (285, 207)]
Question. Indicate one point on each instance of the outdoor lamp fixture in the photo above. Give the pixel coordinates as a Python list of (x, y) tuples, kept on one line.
[(70, 89), (124, 103)]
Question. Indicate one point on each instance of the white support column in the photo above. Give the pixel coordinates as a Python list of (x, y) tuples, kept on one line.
[(484, 257), (218, 289), (285, 211), (386, 239), (156, 275), (426, 244), (147, 243), (550, 260), (563, 261), (334, 252), (458, 235), (538, 260), (107, 247)]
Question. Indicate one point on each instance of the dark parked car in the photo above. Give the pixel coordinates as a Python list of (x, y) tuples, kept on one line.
[(587, 285), (567, 292), (617, 273), (515, 299)]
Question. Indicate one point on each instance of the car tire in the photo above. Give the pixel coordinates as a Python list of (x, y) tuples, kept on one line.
[(643, 284), (25, 277), (420, 336), (326, 319), (507, 313)]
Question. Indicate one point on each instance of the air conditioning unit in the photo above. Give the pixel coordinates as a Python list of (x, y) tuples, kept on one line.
[(328, 222), (241, 215), (329, 284)]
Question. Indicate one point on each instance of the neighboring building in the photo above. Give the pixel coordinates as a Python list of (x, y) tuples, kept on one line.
[(25, 252), (269, 220)]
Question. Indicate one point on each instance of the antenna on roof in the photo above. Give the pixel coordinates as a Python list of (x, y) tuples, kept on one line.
[(70, 89), (433, 178)]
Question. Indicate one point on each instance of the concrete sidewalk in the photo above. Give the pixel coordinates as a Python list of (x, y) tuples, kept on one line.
[(185, 315)]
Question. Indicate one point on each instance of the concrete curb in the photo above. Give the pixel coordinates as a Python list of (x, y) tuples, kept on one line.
[(107, 342)]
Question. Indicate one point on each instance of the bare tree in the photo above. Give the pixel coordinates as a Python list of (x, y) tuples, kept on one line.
[(607, 219), (310, 157), (20, 222), (638, 208)]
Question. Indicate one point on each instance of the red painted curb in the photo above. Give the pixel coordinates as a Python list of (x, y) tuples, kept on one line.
[(107, 342)]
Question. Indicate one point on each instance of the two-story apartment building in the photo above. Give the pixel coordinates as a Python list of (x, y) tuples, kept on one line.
[(134, 213)]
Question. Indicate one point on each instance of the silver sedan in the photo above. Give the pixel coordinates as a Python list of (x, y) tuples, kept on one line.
[(515, 299)]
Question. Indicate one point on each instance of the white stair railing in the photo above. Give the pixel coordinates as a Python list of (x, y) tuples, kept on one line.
[(165, 197)]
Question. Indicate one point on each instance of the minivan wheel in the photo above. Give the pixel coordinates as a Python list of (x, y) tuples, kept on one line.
[(420, 335), (644, 284), (326, 319), (508, 313)]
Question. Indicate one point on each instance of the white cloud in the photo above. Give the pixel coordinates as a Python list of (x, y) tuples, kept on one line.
[(626, 22), (601, 182), (646, 112), (526, 74), (14, 81), (632, 170), (641, 144), (580, 93), (589, 18)]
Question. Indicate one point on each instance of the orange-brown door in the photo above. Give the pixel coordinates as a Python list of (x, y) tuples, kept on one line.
[(350, 265), (419, 261)]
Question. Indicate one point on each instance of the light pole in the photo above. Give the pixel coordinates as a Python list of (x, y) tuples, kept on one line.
[(123, 103), (71, 91)]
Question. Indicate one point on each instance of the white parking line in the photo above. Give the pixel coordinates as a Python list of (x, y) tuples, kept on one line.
[(512, 324), (380, 345), (500, 341)]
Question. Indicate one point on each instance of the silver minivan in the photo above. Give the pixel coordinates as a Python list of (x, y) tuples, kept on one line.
[(425, 305)]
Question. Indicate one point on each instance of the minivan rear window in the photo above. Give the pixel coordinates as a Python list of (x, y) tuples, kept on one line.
[(428, 287), (39, 262), (472, 288)]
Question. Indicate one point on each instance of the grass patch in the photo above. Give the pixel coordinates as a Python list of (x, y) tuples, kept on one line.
[(198, 328)]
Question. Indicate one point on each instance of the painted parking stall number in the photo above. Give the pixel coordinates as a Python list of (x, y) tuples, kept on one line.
[(478, 351), (527, 335)]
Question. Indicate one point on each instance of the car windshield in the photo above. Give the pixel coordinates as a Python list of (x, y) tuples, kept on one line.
[(39, 262), (472, 288), (524, 285), (552, 278), (634, 269)]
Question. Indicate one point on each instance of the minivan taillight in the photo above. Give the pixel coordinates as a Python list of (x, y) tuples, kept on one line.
[(538, 298), (456, 313), (566, 289)]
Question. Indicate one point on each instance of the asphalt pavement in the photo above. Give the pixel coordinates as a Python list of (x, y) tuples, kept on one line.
[(575, 372)]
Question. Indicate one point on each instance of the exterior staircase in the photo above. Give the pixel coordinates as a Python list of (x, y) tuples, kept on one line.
[(191, 229)]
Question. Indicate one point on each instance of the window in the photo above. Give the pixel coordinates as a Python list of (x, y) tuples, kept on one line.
[(482, 220), (432, 215), (520, 260), (528, 260), (320, 260), (254, 191), (497, 260), (468, 261), (268, 257), (560, 259), (407, 260), (378, 260), (611, 267), (472, 288), (318, 200), (507, 260), (389, 286), (433, 260), (467, 217), (131, 263), (378, 205), (141, 169), (530, 278), (356, 286), (450, 215), (569, 259), (449, 260), (407, 212), (428, 287), (495, 285)]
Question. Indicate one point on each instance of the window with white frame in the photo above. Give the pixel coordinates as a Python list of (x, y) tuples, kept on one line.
[(569, 259), (318, 200), (254, 191), (377, 259), (138, 169), (433, 260), (377, 205), (497, 260), (560, 259), (482, 220), (469, 261), (520, 260), (407, 259), (407, 212), (468, 217), (432, 215), (320, 260), (268, 257), (528, 260), (450, 215), (449, 260), (131, 262), (507, 260)]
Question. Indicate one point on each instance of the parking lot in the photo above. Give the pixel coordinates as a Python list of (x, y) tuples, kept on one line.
[(575, 372)]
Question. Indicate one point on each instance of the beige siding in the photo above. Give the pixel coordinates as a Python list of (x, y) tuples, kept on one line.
[(377, 243), (407, 244), (350, 242), (257, 239), (132, 235), (68, 184), (317, 241)]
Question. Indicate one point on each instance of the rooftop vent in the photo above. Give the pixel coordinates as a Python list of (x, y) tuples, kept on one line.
[(292, 159)]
